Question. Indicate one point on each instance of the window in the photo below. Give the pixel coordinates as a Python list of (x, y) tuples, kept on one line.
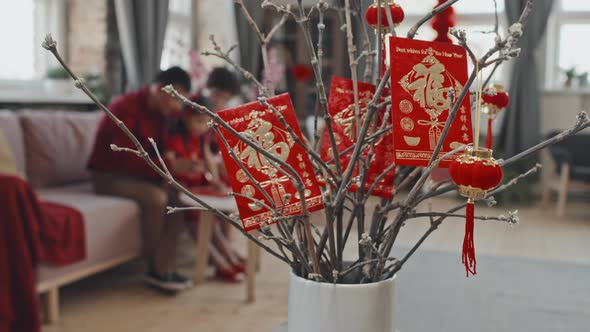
[(570, 25), (475, 17), (177, 42), (23, 25)]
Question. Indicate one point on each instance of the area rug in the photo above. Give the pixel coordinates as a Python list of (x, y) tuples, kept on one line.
[(507, 294)]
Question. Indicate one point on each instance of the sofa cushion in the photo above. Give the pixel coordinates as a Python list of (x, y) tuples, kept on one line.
[(7, 161), (112, 228), (12, 130), (58, 145)]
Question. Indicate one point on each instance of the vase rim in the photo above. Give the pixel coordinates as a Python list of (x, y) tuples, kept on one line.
[(372, 284)]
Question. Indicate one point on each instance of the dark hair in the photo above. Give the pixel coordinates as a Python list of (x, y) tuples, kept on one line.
[(174, 76), (177, 125), (223, 79)]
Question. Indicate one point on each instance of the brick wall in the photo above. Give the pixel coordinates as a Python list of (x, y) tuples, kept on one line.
[(87, 35)]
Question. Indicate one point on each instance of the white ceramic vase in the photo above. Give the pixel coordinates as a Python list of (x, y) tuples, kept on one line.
[(326, 307)]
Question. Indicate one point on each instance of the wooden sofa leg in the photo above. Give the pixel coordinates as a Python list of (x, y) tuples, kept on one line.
[(563, 188), (51, 304)]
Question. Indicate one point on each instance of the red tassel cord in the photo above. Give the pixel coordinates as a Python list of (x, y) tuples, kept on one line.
[(468, 257), (490, 138)]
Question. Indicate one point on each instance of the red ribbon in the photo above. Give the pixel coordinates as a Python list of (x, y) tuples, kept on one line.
[(468, 255)]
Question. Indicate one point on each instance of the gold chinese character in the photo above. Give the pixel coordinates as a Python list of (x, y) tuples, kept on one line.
[(428, 87), (261, 131)]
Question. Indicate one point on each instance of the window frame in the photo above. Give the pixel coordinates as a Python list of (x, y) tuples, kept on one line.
[(52, 18), (559, 17), (176, 18), (464, 20)]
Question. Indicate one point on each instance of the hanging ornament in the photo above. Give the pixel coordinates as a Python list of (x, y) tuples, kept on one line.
[(495, 99), (443, 22), (474, 173), (423, 74), (253, 175), (372, 17)]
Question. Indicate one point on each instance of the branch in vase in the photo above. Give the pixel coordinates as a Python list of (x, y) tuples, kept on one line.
[(160, 159), (50, 45), (461, 36), (371, 109), (303, 22), (249, 175), (434, 225), (314, 155), (409, 202), (224, 56), (511, 219), (582, 122)]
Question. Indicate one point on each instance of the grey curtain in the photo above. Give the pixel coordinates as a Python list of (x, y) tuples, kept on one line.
[(521, 123), (249, 47), (142, 26)]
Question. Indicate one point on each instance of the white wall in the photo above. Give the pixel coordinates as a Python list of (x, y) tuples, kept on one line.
[(559, 108)]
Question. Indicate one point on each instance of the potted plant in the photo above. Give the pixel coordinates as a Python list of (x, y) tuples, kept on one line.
[(328, 291), (57, 81), (570, 75)]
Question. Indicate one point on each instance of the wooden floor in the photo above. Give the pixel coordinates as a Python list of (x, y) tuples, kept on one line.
[(118, 301)]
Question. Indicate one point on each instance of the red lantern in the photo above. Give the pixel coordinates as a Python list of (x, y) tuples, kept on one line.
[(475, 173), (396, 11), (495, 100), (397, 16)]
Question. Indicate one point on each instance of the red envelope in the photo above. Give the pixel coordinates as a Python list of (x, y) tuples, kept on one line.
[(256, 121), (422, 73), (341, 108)]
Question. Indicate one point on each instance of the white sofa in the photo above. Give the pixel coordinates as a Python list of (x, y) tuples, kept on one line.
[(52, 148)]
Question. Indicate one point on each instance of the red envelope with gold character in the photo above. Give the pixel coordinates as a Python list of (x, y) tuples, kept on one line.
[(341, 108), (260, 124), (422, 73)]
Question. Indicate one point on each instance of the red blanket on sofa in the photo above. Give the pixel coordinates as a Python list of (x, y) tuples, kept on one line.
[(31, 232)]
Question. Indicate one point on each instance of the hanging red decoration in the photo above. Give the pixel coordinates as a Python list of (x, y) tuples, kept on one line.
[(495, 99), (442, 22), (372, 17), (475, 172), (396, 11), (302, 72), (341, 108), (269, 132), (423, 74)]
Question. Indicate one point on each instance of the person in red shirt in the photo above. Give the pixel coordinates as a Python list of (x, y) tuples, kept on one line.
[(191, 138), (145, 113)]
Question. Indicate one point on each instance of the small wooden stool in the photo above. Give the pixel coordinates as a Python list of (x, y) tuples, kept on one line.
[(204, 236)]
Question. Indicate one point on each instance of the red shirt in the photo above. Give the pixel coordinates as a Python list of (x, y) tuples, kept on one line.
[(132, 109), (187, 149)]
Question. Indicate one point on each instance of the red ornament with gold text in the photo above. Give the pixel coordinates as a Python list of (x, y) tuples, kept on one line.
[(475, 172)]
